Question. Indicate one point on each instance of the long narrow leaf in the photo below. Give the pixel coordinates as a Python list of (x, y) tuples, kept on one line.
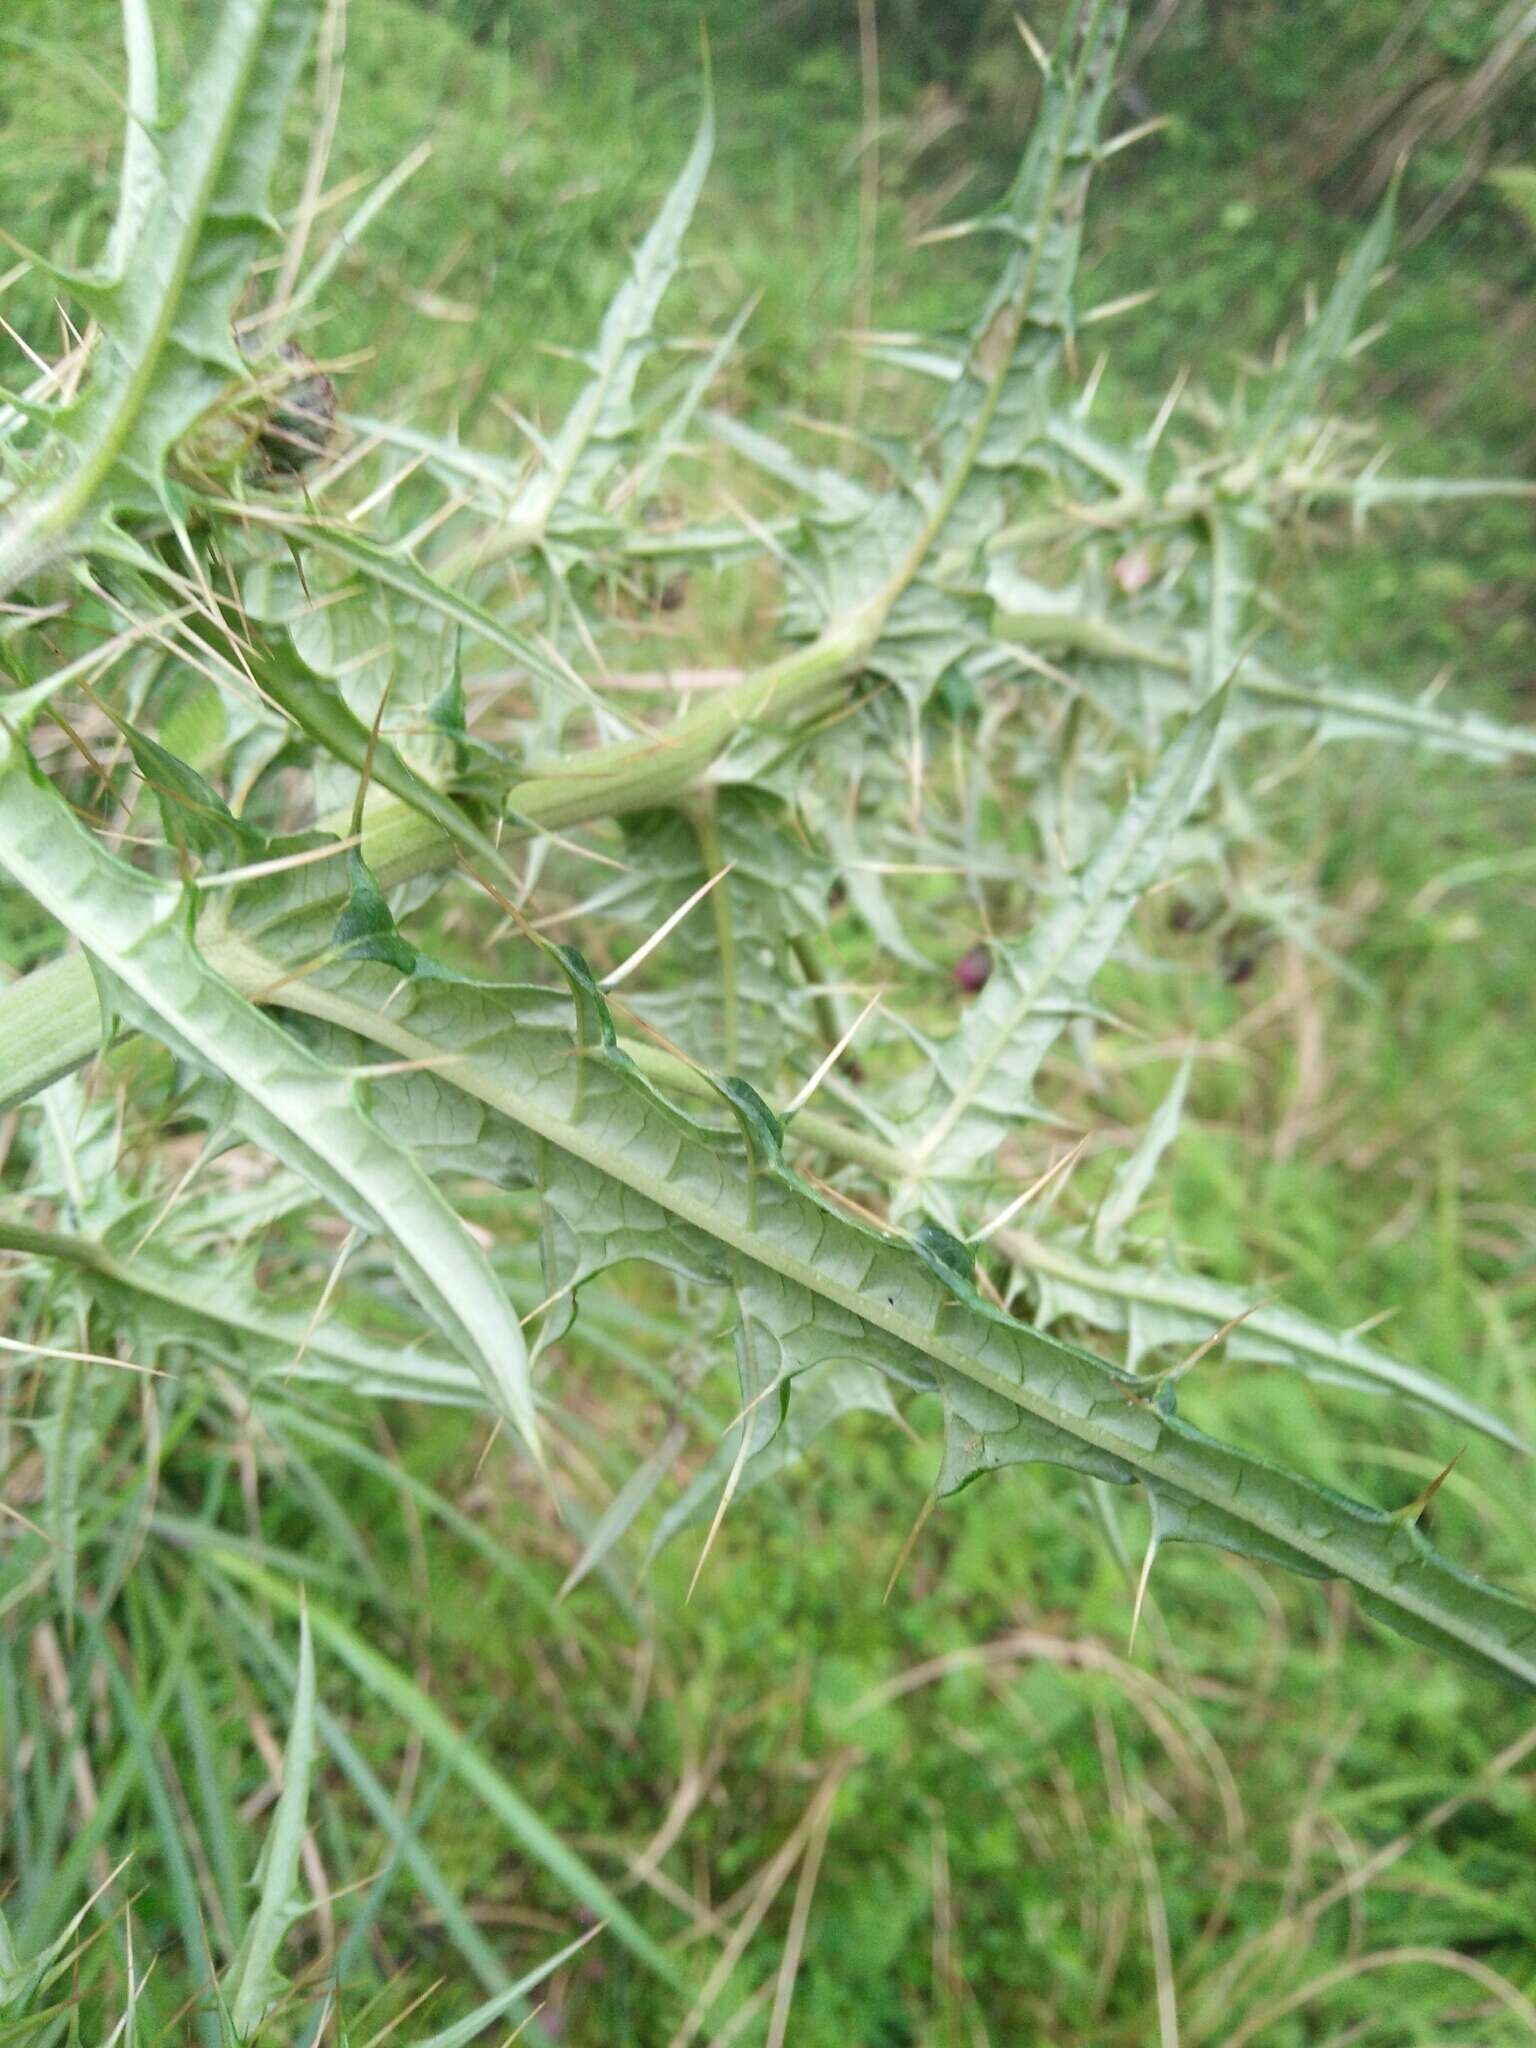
[(1158, 1305), (253, 1983), (629, 1174), (587, 445)]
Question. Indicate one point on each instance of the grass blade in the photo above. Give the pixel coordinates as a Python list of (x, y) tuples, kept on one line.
[(253, 1982)]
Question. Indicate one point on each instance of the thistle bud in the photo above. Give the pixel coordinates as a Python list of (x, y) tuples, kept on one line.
[(973, 970), (298, 428)]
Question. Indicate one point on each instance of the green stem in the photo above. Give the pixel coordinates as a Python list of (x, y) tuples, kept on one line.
[(633, 774), (704, 817), (51, 1021), (51, 1244), (638, 772), (829, 1020)]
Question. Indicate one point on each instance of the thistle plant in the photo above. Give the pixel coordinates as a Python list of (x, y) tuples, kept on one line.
[(285, 748)]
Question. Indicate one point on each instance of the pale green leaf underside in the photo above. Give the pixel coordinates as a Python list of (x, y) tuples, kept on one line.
[(1159, 1307), (300, 1110), (215, 1308), (624, 1173)]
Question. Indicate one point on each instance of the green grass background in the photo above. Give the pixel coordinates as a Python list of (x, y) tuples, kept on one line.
[(1018, 1838)]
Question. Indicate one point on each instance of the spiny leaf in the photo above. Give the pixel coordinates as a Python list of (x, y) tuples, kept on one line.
[(366, 929), (1136, 1173), (983, 1074), (727, 997), (196, 818), (192, 217), (168, 1299), (624, 1173), (136, 932), (397, 572), (1159, 1305), (318, 711), (1129, 671), (1028, 317), (557, 506), (583, 453), (1322, 346), (902, 555)]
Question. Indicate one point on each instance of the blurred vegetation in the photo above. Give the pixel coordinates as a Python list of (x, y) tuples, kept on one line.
[(1021, 1837)]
